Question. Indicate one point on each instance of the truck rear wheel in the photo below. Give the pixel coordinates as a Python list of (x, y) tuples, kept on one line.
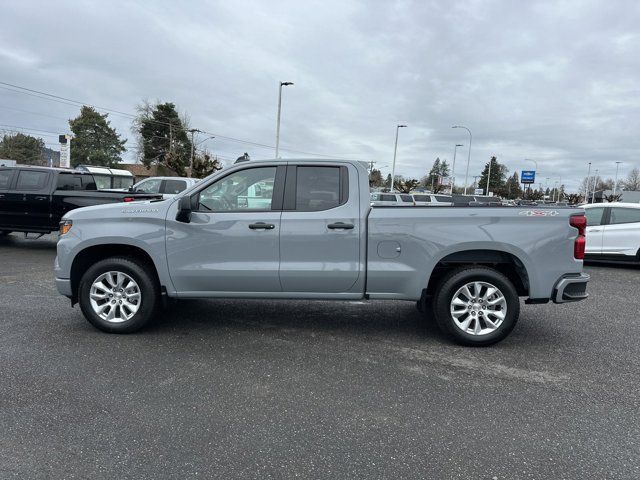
[(118, 295), (476, 306)]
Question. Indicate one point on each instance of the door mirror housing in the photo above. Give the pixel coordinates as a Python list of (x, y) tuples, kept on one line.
[(184, 209)]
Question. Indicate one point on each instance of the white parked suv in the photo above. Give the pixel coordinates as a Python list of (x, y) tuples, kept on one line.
[(167, 186), (613, 231)]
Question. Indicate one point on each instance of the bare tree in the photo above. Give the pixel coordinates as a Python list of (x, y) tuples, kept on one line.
[(632, 182)]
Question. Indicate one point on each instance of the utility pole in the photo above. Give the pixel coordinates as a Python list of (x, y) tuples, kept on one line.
[(588, 184), (282, 84), (193, 147), (489, 176), (595, 185)]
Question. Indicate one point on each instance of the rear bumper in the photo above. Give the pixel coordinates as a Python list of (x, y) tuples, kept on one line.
[(571, 288)]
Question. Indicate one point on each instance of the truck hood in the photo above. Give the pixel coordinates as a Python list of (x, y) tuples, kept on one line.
[(141, 209)]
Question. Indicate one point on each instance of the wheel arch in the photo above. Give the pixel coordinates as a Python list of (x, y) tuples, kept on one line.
[(92, 254), (504, 262)]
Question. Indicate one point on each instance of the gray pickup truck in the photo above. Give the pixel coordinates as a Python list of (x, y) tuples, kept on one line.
[(302, 229)]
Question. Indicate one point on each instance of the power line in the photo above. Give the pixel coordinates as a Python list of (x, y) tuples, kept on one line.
[(69, 101)]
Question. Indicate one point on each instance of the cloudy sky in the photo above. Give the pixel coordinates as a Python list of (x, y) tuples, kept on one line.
[(557, 82)]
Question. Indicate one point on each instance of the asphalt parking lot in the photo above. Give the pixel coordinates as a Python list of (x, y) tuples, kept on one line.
[(271, 389)]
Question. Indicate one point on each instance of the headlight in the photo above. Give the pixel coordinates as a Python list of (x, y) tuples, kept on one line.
[(65, 226)]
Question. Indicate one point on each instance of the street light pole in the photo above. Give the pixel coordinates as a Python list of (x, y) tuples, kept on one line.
[(395, 151), (615, 185), (282, 84), (595, 185), (489, 177), (453, 167), (466, 176), (588, 184)]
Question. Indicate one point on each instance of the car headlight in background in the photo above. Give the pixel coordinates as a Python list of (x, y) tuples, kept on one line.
[(65, 226)]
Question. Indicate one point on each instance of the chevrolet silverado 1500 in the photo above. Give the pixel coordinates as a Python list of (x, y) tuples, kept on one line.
[(302, 229)]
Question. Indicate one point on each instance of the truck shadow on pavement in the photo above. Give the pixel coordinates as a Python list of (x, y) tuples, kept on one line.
[(17, 240), (399, 318)]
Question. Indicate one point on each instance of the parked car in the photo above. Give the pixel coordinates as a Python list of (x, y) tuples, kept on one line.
[(167, 186), (432, 200), (392, 199), (613, 232), (314, 235), (34, 199)]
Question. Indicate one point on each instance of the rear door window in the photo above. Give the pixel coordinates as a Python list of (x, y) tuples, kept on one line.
[(317, 188), (5, 179), (31, 180), (149, 186), (594, 216), (422, 198), (387, 198), (406, 198), (623, 215), (68, 181), (174, 186), (443, 198)]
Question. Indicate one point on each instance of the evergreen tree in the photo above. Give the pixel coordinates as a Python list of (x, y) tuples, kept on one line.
[(204, 165), (22, 148), (163, 137), (95, 142), (498, 174), (387, 182), (375, 178), (512, 189)]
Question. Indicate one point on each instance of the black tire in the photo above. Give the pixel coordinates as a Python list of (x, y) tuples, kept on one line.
[(146, 282), (455, 280)]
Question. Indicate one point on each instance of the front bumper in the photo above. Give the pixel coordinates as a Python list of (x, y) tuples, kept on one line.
[(571, 288), (64, 286)]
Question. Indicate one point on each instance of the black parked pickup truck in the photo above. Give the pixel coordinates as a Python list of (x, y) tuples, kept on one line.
[(34, 199)]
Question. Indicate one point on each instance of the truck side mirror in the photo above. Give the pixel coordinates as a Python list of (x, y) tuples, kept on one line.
[(184, 209)]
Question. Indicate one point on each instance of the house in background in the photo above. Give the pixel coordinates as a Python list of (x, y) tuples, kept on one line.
[(141, 171)]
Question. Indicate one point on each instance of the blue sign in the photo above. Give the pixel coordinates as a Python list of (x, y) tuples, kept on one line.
[(528, 176)]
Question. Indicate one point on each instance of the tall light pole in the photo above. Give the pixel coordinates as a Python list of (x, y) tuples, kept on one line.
[(615, 184), (588, 184), (546, 187), (595, 185), (282, 84), (489, 177), (466, 176), (453, 167), (395, 151)]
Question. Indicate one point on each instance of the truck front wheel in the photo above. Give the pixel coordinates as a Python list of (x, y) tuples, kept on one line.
[(476, 306), (118, 295)]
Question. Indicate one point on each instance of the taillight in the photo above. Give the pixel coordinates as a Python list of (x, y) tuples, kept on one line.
[(579, 222), (129, 199)]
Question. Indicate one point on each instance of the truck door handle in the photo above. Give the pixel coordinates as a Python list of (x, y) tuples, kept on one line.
[(41, 198), (595, 230), (340, 226), (261, 226)]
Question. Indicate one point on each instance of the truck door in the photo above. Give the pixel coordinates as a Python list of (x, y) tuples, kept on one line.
[(594, 230), (31, 199), (320, 230), (7, 201), (232, 242)]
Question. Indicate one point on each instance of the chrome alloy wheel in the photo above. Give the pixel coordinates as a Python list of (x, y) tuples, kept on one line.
[(478, 308), (115, 297)]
